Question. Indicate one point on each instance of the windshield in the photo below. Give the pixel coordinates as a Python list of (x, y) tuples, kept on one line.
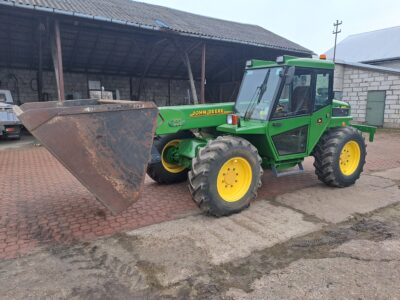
[(2, 97), (257, 93)]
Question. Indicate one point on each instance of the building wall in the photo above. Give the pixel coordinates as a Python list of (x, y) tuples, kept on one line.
[(23, 85), (356, 83)]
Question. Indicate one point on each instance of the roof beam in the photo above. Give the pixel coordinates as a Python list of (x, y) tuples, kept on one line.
[(189, 51), (186, 60)]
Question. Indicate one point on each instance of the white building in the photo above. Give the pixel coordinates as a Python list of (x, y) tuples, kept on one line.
[(368, 76)]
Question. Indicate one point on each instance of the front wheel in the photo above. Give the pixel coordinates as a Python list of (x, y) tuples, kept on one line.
[(225, 176), (340, 157), (166, 171)]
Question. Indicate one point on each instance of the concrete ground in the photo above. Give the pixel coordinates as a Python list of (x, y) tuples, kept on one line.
[(306, 242)]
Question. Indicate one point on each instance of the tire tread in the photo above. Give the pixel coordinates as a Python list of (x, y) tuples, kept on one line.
[(201, 167)]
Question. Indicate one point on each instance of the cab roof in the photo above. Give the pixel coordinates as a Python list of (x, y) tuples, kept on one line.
[(287, 60)]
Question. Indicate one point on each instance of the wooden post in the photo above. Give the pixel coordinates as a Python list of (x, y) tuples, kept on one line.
[(191, 79), (203, 74), (57, 61), (185, 58)]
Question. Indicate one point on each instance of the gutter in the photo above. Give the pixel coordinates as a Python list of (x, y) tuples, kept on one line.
[(368, 67), (381, 60), (143, 26)]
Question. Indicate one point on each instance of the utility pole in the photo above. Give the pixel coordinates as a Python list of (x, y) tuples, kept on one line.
[(336, 32)]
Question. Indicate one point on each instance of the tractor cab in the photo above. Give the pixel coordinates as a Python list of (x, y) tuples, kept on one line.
[(289, 101), (287, 88)]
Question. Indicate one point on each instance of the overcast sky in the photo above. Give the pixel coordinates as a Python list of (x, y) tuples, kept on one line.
[(308, 23)]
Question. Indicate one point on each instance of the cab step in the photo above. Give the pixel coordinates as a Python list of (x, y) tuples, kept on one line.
[(296, 171)]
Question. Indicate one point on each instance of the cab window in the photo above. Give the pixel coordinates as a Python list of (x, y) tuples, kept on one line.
[(296, 98), (322, 90)]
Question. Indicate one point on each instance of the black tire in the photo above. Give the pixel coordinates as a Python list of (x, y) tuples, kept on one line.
[(206, 167), (157, 171), (328, 152)]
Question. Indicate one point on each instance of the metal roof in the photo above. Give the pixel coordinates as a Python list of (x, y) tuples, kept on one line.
[(161, 18), (370, 46), (368, 67)]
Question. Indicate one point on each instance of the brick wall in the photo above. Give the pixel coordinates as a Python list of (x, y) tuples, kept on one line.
[(356, 83), (23, 83)]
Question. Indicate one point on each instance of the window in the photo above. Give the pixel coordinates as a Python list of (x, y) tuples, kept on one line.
[(296, 98), (258, 92), (322, 98), (2, 98), (291, 142)]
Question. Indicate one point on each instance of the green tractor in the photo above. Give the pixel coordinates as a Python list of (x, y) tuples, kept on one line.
[(284, 113)]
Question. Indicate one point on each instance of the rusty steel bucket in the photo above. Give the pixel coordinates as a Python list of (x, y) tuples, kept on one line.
[(106, 145)]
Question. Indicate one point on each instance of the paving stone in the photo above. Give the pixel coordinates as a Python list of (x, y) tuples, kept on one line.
[(41, 202)]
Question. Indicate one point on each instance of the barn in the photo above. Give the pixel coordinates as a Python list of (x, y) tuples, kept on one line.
[(122, 49)]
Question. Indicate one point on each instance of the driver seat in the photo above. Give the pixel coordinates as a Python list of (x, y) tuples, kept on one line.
[(301, 99)]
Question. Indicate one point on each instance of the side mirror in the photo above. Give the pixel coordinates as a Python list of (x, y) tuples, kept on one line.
[(289, 75)]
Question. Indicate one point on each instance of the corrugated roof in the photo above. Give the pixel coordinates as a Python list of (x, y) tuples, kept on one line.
[(370, 46), (368, 67), (156, 17)]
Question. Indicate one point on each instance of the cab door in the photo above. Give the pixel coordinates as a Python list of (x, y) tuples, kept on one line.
[(322, 107), (289, 126)]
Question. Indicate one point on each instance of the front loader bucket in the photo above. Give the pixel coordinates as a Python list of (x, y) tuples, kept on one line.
[(105, 144)]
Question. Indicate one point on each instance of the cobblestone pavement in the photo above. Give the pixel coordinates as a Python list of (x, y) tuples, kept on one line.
[(41, 204)]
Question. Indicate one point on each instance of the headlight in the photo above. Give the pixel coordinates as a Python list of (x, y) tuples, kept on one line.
[(232, 120)]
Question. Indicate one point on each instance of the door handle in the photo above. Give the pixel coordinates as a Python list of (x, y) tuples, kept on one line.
[(277, 124)]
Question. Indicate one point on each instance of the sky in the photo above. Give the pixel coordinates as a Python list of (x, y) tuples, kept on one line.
[(308, 23)]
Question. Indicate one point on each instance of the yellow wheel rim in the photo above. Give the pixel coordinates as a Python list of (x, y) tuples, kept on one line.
[(172, 168), (350, 158), (234, 179)]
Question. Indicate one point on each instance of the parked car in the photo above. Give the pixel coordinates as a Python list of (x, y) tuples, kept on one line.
[(10, 126)]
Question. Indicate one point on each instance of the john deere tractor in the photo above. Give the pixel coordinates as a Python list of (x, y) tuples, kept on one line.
[(284, 113)]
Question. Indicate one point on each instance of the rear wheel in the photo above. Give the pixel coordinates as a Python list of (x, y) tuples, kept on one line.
[(225, 176), (340, 157), (167, 171)]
